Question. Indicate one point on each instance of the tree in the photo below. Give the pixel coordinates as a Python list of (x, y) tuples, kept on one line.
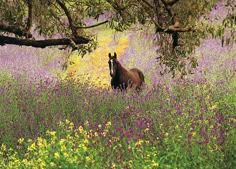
[(179, 25)]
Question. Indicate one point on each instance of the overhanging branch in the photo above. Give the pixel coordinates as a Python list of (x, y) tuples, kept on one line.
[(92, 26), (148, 4), (15, 30), (69, 17), (172, 29), (42, 43), (30, 15)]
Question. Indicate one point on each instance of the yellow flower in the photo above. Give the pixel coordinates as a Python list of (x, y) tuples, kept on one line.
[(67, 121), (113, 165), (146, 129), (130, 163), (86, 141), (52, 164), (20, 140), (81, 129), (56, 155), (83, 146), (108, 124), (51, 133), (31, 147), (139, 142), (29, 140), (87, 158), (66, 154), (95, 134), (213, 107), (41, 142), (62, 141), (71, 126), (3, 148), (154, 164)]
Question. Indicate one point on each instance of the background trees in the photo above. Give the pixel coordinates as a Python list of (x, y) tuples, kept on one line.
[(178, 25)]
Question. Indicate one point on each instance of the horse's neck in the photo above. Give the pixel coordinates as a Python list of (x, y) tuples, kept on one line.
[(121, 69)]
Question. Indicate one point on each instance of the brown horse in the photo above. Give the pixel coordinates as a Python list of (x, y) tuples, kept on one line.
[(123, 78)]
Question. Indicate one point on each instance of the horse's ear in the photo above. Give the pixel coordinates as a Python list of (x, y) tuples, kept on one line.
[(115, 55), (109, 55)]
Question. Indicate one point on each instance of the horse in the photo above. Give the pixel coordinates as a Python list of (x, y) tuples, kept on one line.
[(121, 78)]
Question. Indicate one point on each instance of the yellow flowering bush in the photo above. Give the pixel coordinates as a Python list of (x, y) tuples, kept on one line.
[(67, 149), (76, 147)]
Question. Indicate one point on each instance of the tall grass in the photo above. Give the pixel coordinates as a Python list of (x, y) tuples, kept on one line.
[(186, 125)]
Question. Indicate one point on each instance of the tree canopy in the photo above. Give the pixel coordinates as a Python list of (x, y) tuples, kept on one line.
[(179, 25)]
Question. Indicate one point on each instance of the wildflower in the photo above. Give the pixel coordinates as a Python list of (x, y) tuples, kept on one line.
[(20, 140), (108, 124), (87, 158), (154, 164), (139, 142), (146, 129), (95, 134), (81, 129), (83, 146), (104, 133), (130, 163), (52, 164), (41, 142), (56, 155), (51, 133), (67, 121), (86, 141), (62, 141), (71, 126), (213, 107), (31, 147), (113, 165), (29, 140), (66, 154), (3, 147)]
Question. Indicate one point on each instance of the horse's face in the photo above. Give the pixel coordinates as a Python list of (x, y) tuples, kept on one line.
[(112, 64)]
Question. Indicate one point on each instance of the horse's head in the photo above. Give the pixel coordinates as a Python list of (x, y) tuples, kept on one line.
[(113, 64)]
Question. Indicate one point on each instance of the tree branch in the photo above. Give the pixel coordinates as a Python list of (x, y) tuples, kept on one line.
[(30, 15), (15, 30), (174, 29), (169, 10), (92, 26), (148, 4), (41, 43), (68, 15), (171, 2)]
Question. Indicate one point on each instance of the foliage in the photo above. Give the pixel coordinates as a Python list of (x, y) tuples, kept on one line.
[(179, 25)]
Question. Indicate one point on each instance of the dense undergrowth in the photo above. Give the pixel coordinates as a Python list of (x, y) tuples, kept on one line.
[(51, 124)]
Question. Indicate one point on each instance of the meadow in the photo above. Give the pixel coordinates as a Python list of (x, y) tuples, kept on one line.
[(54, 118)]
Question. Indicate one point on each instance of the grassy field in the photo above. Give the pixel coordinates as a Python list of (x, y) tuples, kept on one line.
[(70, 125)]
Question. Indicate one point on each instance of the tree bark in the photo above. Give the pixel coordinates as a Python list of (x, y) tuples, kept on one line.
[(41, 43)]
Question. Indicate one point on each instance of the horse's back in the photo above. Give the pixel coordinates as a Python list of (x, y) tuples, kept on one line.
[(138, 73)]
